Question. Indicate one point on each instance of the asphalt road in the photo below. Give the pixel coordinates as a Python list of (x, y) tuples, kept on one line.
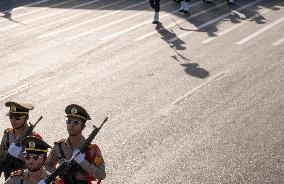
[(197, 99)]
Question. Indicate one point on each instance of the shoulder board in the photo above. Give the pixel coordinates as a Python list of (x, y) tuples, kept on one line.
[(60, 141), (7, 130), (16, 173)]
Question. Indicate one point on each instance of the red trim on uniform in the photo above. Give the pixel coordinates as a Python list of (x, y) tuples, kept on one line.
[(88, 157)]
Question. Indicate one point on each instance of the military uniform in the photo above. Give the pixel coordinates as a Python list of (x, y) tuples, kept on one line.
[(16, 109), (93, 164), (22, 177), (32, 145)]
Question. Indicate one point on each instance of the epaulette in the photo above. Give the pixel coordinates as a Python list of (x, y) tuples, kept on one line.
[(60, 141), (57, 180), (16, 173), (7, 130)]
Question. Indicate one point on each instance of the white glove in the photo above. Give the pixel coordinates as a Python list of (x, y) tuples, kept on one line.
[(14, 150), (41, 182), (78, 156)]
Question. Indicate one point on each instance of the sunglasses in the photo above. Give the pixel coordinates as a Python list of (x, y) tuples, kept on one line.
[(35, 157), (74, 122), (16, 117)]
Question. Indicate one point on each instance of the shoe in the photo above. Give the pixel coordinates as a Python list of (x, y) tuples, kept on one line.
[(231, 1)]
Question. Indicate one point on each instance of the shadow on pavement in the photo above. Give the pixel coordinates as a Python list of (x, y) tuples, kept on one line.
[(192, 69)]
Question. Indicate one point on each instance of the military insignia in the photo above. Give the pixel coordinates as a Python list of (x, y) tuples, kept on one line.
[(98, 160), (74, 111), (13, 108), (16, 173), (31, 144)]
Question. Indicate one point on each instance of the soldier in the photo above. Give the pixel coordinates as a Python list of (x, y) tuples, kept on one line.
[(19, 115), (184, 6), (35, 155), (92, 163), (155, 4)]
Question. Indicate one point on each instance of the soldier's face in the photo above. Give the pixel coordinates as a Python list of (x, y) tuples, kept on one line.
[(74, 126), (34, 162), (17, 121)]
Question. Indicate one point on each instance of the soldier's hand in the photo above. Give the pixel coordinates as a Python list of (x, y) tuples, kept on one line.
[(14, 150), (78, 156)]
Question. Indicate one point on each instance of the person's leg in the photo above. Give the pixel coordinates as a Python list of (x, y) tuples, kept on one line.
[(186, 6), (152, 4), (181, 6), (157, 11)]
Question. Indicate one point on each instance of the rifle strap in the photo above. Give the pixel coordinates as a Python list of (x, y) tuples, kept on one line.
[(61, 150), (7, 140)]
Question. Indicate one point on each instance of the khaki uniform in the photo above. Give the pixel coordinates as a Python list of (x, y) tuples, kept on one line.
[(22, 177), (7, 139), (95, 169)]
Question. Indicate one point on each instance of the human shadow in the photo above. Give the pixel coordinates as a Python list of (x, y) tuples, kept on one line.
[(192, 69), (220, 11), (7, 14)]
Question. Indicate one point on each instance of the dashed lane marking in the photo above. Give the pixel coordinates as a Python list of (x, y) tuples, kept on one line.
[(179, 22), (89, 21), (182, 99), (22, 88), (255, 34), (21, 7), (212, 21), (230, 29), (34, 29), (31, 12), (279, 42), (143, 23)]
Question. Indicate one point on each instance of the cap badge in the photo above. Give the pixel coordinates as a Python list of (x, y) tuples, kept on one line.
[(74, 111), (31, 144), (13, 108)]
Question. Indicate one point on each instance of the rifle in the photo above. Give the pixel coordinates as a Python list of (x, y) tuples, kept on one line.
[(70, 167), (9, 163)]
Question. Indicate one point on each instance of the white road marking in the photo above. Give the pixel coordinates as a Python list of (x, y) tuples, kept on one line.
[(52, 14), (143, 23), (34, 11), (246, 39), (235, 26), (21, 7), (23, 88), (178, 22), (279, 42), (88, 21), (212, 21), (180, 100), (70, 17)]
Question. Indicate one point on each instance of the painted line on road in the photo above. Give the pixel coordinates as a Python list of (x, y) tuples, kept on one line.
[(22, 88), (182, 99), (144, 23), (212, 21), (179, 22), (223, 33), (252, 36), (89, 21), (279, 42), (23, 6), (31, 12), (70, 17), (51, 14)]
